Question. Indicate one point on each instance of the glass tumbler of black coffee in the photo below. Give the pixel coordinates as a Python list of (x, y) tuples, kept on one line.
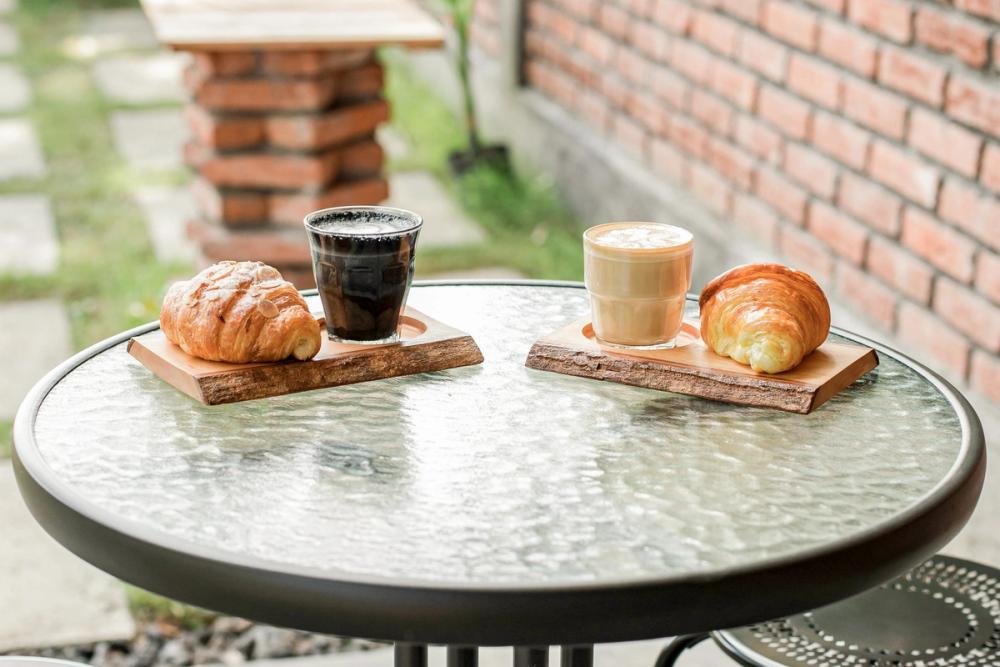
[(363, 262)]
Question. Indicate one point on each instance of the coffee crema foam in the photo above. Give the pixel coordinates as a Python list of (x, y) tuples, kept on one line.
[(642, 237), (361, 224)]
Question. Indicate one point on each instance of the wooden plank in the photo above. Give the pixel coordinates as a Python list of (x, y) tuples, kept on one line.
[(295, 24), (692, 368), (426, 345)]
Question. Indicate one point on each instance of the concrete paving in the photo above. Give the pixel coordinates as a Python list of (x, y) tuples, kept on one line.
[(141, 79), (9, 41), (28, 241), (50, 597), (167, 212), (150, 139), (110, 30), (445, 224), (34, 338), (16, 91), (394, 144), (20, 152)]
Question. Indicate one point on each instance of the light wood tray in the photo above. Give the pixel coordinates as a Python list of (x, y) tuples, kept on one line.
[(425, 345), (691, 368)]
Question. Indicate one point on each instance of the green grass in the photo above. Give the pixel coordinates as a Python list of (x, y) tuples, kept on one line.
[(529, 228), (108, 276), (5, 438), (147, 607)]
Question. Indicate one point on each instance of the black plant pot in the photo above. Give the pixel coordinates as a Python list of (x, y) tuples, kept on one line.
[(492, 155)]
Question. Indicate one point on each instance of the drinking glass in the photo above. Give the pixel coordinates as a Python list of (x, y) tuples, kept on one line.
[(638, 275), (363, 263)]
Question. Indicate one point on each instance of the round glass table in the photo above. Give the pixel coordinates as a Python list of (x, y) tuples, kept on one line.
[(494, 504)]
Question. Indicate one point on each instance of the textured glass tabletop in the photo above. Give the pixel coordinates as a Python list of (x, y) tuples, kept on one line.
[(495, 474)]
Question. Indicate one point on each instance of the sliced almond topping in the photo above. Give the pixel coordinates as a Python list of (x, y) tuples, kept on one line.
[(267, 308), (265, 272)]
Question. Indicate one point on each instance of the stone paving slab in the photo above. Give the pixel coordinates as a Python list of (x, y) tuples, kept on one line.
[(110, 30), (50, 597), (394, 144), (9, 41), (167, 212), (28, 241), (20, 152), (16, 93), (34, 338), (142, 79), (444, 222), (150, 139)]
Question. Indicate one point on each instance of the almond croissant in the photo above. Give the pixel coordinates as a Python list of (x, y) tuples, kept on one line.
[(239, 312), (765, 315)]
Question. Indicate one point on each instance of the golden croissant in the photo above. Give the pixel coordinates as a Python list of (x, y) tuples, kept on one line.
[(765, 315), (239, 312)]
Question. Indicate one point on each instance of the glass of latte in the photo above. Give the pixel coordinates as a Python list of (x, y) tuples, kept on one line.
[(637, 275)]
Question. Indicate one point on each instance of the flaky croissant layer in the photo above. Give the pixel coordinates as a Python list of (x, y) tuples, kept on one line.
[(767, 316), (239, 312)]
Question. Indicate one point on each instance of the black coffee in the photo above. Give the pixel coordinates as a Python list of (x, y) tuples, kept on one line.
[(363, 263)]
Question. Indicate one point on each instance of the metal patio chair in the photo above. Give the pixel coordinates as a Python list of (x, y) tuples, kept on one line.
[(944, 612)]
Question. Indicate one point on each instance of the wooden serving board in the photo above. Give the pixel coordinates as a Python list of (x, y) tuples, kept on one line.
[(692, 368), (425, 345)]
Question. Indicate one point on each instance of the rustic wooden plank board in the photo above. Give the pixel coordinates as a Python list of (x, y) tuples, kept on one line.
[(293, 24), (426, 345), (692, 368)]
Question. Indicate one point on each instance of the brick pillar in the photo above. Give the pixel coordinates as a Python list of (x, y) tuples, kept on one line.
[(277, 134)]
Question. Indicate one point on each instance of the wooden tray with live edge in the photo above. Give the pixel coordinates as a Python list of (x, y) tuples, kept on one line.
[(692, 368), (425, 345)]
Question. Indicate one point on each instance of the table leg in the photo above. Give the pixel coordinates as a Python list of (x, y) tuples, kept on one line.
[(531, 656), (577, 656), (410, 655), (463, 656)]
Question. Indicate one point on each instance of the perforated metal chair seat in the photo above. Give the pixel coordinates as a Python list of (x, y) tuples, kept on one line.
[(944, 612)]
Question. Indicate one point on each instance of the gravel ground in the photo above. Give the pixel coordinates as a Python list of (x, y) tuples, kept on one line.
[(226, 641)]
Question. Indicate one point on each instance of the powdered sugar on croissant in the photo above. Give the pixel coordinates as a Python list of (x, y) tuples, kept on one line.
[(767, 316), (240, 312)]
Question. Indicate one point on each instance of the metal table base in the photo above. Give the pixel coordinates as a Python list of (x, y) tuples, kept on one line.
[(415, 655)]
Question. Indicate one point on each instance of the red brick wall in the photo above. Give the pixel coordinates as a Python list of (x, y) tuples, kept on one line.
[(860, 138)]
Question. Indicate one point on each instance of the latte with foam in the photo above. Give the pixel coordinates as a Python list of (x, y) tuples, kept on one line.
[(637, 274)]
